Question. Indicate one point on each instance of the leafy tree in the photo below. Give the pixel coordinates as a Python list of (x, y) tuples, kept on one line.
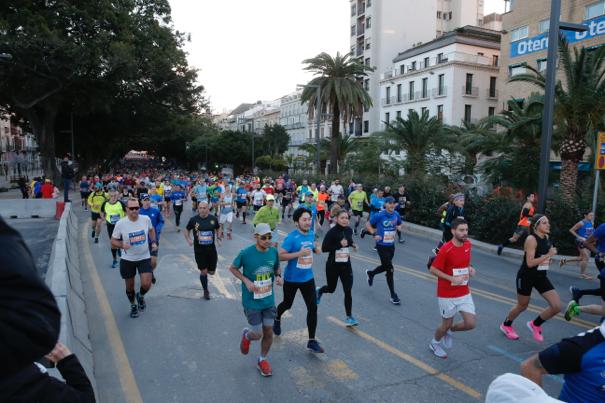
[(367, 156), (342, 94), (345, 147), (275, 140), (474, 139), (580, 104)]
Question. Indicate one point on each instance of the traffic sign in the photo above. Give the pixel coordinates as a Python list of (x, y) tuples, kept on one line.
[(600, 154)]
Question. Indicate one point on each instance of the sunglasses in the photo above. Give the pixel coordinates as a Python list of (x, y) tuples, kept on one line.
[(265, 237), (133, 208)]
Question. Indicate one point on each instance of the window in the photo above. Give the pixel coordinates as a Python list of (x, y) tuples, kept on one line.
[(439, 14), (426, 62), (441, 58), (543, 26), (369, 3), (468, 88), (410, 111), (351, 125), (398, 92), (353, 9), (367, 44), (441, 84), (491, 111), (310, 134), (519, 33), (495, 60), (541, 65), (366, 84), (515, 69), (422, 110), (595, 10), (402, 69), (467, 113), (366, 108), (367, 61), (398, 114), (352, 30), (492, 87), (411, 88), (425, 88), (450, 16), (366, 126), (413, 66), (321, 133), (388, 95), (368, 22), (440, 113), (387, 117)]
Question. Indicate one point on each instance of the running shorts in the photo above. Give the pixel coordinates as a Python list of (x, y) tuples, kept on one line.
[(84, 195), (256, 208), (128, 269), (167, 199), (258, 319), (206, 259), (95, 216), (529, 279), (579, 244), (285, 202), (225, 218), (358, 213), (241, 204), (448, 307), (522, 230)]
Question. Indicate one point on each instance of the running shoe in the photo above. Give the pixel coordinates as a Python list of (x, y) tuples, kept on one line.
[(363, 233), (134, 311), (114, 264), (572, 310), (437, 349), (575, 293), (244, 345), (401, 241), (206, 295), (314, 347), (536, 331), (141, 301), (395, 299), (277, 327), (96, 240), (351, 321), (509, 332), (153, 279), (318, 294), (448, 340), (93, 233), (370, 277), (355, 232), (500, 248), (264, 367)]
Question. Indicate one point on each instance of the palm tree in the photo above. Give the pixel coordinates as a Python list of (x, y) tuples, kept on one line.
[(580, 104), (473, 139), (417, 135), (342, 94)]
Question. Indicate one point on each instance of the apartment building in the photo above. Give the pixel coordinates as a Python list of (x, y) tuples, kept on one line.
[(525, 37), (381, 28), (453, 77), (18, 153)]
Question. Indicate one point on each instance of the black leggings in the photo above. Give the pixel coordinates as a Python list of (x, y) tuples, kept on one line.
[(307, 290), (345, 273), (386, 254), (322, 216), (178, 210)]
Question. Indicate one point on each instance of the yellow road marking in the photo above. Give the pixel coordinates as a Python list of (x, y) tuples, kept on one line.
[(412, 360), (341, 371), (216, 279), (126, 376), (475, 291)]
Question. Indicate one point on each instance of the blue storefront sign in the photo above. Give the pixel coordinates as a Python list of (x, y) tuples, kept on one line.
[(538, 43)]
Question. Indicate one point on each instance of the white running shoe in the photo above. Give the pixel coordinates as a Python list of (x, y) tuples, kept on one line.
[(448, 340), (437, 349)]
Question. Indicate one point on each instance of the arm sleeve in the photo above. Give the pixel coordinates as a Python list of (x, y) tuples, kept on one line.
[(439, 262), (564, 357), (75, 389), (525, 212), (190, 225), (237, 262), (327, 244), (374, 220), (117, 231)]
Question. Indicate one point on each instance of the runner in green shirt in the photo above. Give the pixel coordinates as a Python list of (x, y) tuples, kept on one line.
[(357, 198)]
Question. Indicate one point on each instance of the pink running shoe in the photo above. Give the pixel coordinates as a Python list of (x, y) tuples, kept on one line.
[(509, 332), (536, 331)]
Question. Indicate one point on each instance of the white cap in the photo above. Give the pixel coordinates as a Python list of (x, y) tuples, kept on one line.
[(262, 229), (513, 388)]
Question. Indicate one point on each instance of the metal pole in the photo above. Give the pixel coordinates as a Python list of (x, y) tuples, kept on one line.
[(597, 181), (549, 103), (71, 129), (317, 124)]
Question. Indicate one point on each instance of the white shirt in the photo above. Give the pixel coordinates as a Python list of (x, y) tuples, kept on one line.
[(258, 197), (135, 233), (335, 191)]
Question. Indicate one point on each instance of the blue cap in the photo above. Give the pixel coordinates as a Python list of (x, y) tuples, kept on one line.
[(309, 194), (389, 199)]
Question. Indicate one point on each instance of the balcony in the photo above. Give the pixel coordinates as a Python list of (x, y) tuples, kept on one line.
[(361, 30), (359, 51), (439, 92), (459, 57), (491, 93), (361, 9), (468, 91), (388, 101)]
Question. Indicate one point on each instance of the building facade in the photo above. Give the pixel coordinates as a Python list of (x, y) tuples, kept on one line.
[(525, 38), (453, 77), (381, 28), (18, 153)]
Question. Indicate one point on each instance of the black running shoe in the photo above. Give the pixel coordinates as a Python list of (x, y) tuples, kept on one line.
[(395, 299), (153, 280), (93, 233), (363, 233), (134, 311), (141, 301), (500, 248), (277, 327), (575, 293), (370, 277), (96, 240)]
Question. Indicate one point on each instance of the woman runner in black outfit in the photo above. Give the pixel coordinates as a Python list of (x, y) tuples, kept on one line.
[(338, 241)]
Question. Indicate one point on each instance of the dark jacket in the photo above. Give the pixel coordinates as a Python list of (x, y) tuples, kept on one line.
[(331, 242), (67, 172)]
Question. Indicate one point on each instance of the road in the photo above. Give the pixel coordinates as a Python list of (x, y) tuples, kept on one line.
[(186, 349)]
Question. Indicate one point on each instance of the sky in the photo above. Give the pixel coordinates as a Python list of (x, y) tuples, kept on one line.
[(250, 50)]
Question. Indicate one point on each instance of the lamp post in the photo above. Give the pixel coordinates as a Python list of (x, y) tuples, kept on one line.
[(549, 96), (317, 121)]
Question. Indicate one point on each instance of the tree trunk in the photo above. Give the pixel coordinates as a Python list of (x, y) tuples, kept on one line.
[(569, 179), (335, 140), (572, 151), (42, 120)]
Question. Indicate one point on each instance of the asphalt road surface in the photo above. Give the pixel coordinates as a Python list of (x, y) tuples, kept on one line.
[(186, 349)]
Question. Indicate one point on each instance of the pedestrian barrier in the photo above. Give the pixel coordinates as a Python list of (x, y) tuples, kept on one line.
[(28, 208), (64, 280)]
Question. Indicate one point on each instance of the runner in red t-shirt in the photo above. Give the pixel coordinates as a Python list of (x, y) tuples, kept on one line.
[(452, 267)]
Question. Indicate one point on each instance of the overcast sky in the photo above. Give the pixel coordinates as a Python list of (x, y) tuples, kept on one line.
[(252, 50)]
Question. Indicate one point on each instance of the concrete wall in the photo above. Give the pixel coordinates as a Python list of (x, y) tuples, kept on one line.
[(28, 208), (63, 278)]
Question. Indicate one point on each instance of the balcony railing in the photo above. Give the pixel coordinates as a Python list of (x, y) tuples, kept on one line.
[(360, 30), (446, 58), (492, 93), (470, 91), (439, 92)]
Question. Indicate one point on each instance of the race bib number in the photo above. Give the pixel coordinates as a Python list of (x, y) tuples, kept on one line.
[(178, 202), (359, 205), (114, 218), (460, 273), (305, 262), (544, 266), (205, 238), (342, 255), (388, 237), (264, 288), (137, 238)]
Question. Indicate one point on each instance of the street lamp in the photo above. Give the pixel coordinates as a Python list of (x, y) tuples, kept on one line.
[(549, 96), (317, 120)]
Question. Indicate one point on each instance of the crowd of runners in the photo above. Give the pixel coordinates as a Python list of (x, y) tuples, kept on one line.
[(329, 218)]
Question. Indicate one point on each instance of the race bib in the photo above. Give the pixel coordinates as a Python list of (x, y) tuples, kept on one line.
[(205, 238), (137, 238), (264, 289), (178, 202), (388, 237), (305, 262), (114, 218), (461, 272), (544, 266), (359, 205), (342, 255)]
